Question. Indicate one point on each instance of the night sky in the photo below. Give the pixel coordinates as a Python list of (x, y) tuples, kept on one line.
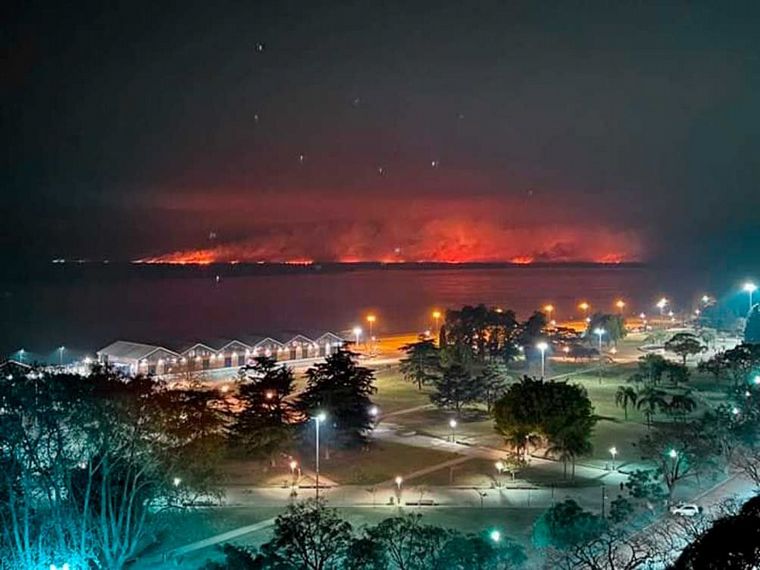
[(369, 130)]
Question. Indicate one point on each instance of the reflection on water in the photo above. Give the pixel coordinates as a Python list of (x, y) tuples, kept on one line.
[(87, 313)]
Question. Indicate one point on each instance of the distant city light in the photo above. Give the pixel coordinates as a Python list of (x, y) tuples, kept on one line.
[(495, 535)]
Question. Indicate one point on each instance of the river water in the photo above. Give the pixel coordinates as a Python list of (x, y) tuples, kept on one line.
[(86, 309)]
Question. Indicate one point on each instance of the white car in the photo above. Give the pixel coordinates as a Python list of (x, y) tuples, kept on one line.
[(685, 510)]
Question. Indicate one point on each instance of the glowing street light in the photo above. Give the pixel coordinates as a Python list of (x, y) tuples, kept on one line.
[(620, 304), (661, 304), (756, 381), (453, 426), (600, 332), (673, 454), (318, 419), (549, 309), (613, 453), (60, 354), (371, 320), (21, 354), (495, 535), (584, 306), (177, 481), (437, 319), (543, 346), (750, 288), (357, 334)]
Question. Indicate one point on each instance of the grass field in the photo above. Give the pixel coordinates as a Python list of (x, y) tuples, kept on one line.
[(394, 393), (381, 462)]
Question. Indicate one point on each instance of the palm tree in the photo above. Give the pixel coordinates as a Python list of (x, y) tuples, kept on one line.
[(681, 404), (520, 441), (651, 399), (624, 397)]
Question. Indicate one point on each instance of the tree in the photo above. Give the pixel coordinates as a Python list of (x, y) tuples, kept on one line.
[(752, 329), (680, 405), (735, 364), (624, 397), (422, 362), (679, 451), (87, 463), (684, 344), (621, 510), (646, 485), (613, 326), (341, 389), (493, 382), (263, 425), (652, 367), (560, 413), (677, 373), (731, 543), (489, 333), (408, 543), (566, 524), (651, 400), (307, 536), (474, 552), (456, 388)]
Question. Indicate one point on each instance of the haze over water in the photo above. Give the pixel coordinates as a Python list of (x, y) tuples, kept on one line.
[(84, 310)]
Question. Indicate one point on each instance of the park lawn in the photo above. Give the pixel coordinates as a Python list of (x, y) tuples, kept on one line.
[(476, 472), (382, 461), (394, 393), (474, 426)]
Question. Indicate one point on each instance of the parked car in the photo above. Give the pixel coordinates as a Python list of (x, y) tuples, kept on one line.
[(685, 510)]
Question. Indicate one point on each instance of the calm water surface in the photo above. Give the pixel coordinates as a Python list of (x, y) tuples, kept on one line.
[(88, 312)]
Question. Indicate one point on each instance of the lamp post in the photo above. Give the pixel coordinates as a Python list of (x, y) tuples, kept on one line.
[(600, 333), (398, 480), (453, 426), (549, 309), (620, 304), (495, 536), (661, 304), (60, 354), (542, 346), (613, 453), (357, 335), (437, 319), (499, 469), (319, 418), (21, 354), (371, 320), (750, 288), (584, 306)]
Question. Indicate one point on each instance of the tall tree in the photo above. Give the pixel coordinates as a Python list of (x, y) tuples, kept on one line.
[(340, 388), (456, 388), (651, 399), (408, 543), (264, 424), (309, 536), (613, 326), (89, 462), (684, 344), (422, 362), (560, 413), (624, 397), (493, 381)]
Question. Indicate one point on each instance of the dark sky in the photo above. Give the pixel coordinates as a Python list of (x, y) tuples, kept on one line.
[(376, 130)]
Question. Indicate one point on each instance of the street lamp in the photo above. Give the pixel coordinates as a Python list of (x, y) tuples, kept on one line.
[(371, 320), (613, 453), (453, 426), (549, 309), (584, 306), (620, 304), (495, 535), (357, 335), (750, 288), (661, 304), (398, 480), (176, 481), (673, 454), (600, 333), (60, 354), (756, 381), (542, 346), (21, 354), (318, 419), (437, 318)]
